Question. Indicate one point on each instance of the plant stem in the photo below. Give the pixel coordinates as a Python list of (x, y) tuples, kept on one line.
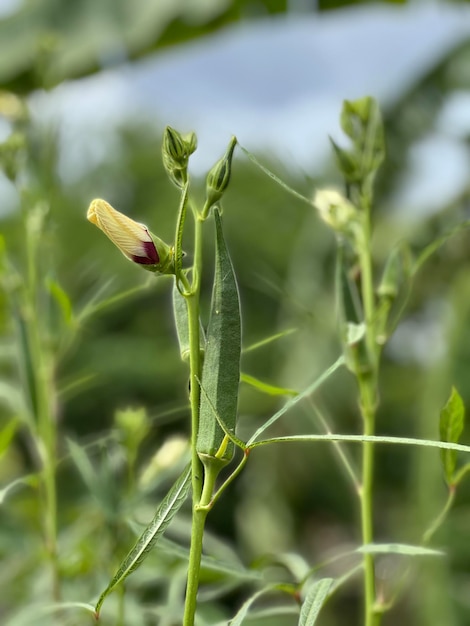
[(200, 512), (198, 515), (368, 402), (44, 405), (365, 494)]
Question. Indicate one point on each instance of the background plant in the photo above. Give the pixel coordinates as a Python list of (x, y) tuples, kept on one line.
[(279, 292)]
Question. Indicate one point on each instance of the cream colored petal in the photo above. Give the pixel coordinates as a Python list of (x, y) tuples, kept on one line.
[(125, 233)]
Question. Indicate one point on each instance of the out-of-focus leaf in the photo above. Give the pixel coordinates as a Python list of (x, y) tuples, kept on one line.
[(271, 390), (398, 548), (451, 423), (160, 522), (6, 435), (43, 43), (62, 299), (315, 599)]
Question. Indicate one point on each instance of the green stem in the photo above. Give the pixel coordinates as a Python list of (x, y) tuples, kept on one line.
[(367, 502), (439, 520), (200, 512), (368, 403), (44, 392), (198, 515)]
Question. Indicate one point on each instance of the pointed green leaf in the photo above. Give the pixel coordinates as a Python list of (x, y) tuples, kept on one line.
[(451, 425), (293, 401), (438, 243), (280, 182), (264, 342), (316, 597), (221, 369), (170, 505), (271, 390)]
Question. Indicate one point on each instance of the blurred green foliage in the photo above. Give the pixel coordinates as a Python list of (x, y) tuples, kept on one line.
[(126, 355)]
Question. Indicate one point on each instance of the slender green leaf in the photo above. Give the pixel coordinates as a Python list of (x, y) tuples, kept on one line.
[(293, 401), (316, 597), (407, 441), (398, 548), (160, 522), (431, 248), (451, 425), (264, 342), (280, 182), (271, 390), (221, 369), (31, 480)]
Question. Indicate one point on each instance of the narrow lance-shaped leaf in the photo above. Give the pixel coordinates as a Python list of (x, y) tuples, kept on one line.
[(451, 425), (162, 518), (221, 370), (316, 597)]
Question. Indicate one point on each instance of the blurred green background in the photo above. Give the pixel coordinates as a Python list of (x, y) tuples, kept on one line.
[(290, 499)]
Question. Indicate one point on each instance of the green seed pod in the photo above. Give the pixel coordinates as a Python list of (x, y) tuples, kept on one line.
[(180, 313), (219, 177), (221, 370)]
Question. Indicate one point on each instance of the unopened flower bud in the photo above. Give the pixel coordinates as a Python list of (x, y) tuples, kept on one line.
[(219, 177), (132, 238), (176, 150), (335, 210)]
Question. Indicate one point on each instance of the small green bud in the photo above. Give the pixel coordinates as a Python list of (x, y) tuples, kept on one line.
[(219, 177), (134, 425), (176, 150)]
